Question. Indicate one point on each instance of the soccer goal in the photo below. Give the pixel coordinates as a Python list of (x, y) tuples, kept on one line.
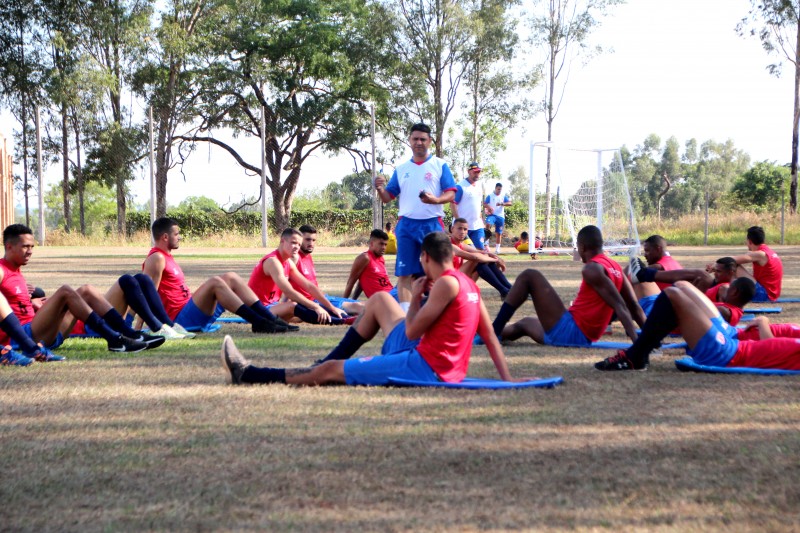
[(587, 186)]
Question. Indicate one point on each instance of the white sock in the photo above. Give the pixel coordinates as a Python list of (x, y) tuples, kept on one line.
[(404, 306)]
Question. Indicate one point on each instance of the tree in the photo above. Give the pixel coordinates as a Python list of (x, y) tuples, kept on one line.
[(563, 30), (776, 23), (308, 67), (761, 187)]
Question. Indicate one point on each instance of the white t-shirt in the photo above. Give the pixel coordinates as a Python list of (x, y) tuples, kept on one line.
[(409, 179), (469, 199), (494, 199)]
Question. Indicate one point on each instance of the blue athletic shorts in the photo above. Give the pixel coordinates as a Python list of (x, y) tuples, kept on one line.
[(52, 346), (338, 301), (410, 233), (646, 303), (566, 333), (724, 327), (499, 224), (377, 369), (476, 236), (715, 348), (397, 341), (761, 294), (193, 319)]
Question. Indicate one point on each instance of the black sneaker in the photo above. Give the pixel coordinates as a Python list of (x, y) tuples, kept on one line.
[(125, 344), (152, 341), (621, 362), (233, 362), (289, 327), (265, 326)]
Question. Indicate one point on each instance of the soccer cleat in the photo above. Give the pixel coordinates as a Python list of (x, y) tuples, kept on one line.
[(289, 327), (183, 331), (169, 333), (9, 357), (43, 355), (127, 345), (152, 341), (349, 320), (265, 326), (232, 361), (621, 362), (637, 268)]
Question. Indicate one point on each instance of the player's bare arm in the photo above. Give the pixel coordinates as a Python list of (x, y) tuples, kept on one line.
[(154, 267), (419, 319), (629, 297), (493, 345), (359, 264), (315, 291), (445, 198), (274, 269), (380, 187), (596, 277)]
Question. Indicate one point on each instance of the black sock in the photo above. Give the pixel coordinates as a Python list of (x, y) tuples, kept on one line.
[(660, 322), (503, 316), (649, 275), (101, 327), (136, 300), (349, 345), (153, 299), (253, 374), (488, 275), (249, 315), (116, 322), (13, 329), (263, 311), (500, 276), (305, 314)]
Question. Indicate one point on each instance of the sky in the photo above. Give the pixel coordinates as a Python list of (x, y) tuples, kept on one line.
[(677, 68)]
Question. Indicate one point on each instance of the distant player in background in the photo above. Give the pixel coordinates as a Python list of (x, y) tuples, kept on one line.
[(658, 258), (468, 204), (495, 205), (391, 243), (369, 268), (767, 266)]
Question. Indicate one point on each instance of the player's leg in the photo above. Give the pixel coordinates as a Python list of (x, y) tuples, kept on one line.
[(114, 319), (499, 226), (216, 290), (528, 326), (489, 275), (409, 234), (125, 293), (546, 301), (20, 340)]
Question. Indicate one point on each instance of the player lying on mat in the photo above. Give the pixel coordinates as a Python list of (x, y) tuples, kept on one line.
[(712, 342)]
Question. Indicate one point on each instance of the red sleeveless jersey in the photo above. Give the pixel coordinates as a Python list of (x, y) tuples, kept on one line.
[(736, 312), (446, 346), (172, 288), (769, 275), (713, 292), (374, 277), (15, 290), (264, 286), (783, 353), (667, 263), (305, 264), (457, 261), (778, 330), (590, 312)]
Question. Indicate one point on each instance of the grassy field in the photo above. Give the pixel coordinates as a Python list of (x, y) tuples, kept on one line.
[(157, 441)]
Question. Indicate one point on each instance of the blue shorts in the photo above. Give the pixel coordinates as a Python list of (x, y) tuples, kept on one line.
[(760, 294), (410, 233), (52, 346), (724, 327), (193, 319), (647, 302), (476, 236), (338, 301), (715, 348), (566, 333), (377, 369), (396, 341), (499, 224)]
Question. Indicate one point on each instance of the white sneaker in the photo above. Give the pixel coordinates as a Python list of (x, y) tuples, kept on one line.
[(180, 329), (169, 333)]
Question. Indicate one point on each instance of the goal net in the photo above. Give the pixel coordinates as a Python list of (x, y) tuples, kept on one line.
[(587, 186)]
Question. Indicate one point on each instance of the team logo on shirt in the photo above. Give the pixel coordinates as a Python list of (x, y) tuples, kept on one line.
[(720, 338), (17, 291), (428, 176), (472, 297)]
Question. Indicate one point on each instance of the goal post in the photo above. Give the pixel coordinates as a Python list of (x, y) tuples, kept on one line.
[(588, 186)]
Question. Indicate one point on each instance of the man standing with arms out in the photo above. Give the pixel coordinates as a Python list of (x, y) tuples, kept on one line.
[(369, 268), (423, 184), (468, 204), (445, 326), (767, 266), (496, 204), (199, 310)]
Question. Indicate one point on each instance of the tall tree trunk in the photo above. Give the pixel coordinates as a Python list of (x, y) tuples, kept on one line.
[(795, 124), (79, 178), (163, 148), (24, 115), (65, 167)]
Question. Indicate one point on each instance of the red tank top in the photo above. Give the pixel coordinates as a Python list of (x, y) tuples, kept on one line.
[(781, 353), (305, 264), (590, 312), (713, 292), (457, 261), (667, 263), (447, 344), (769, 275), (778, 330), (736, 312), (264, 286), (15, 289), (172, 288), (374, 277)]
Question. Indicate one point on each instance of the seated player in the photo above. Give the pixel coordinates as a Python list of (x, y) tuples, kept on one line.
[(523, 243), (391, 243), (712, 342), (761, 324), (199, 310), (56, 316), (305, 264), (730, 299), (369, 268), (714, 275), (472, 261), (767, 266), (445, 327), (603, 292), (658, 258), (271, 279), (12, 329)]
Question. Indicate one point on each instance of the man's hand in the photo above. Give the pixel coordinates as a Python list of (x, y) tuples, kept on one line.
[(427, 198), (380, 182), (419, 287), (338, 313), (323, 317)]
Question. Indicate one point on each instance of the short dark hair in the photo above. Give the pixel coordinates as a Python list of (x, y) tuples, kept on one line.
[(756, 234), (288, 232), (419, 126), (162, 226), (728, 263), (496, 185), (746, 289), (388, 226), (307, 228), (379, 234), (460, 220), (438, 247), (591, 237), (656, 240), (13, 232), (523, 235)]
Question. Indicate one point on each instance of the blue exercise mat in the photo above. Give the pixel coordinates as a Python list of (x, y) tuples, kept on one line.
[(476, 383), (687, 364), (763, 310), (787, 301), (232, 320)]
